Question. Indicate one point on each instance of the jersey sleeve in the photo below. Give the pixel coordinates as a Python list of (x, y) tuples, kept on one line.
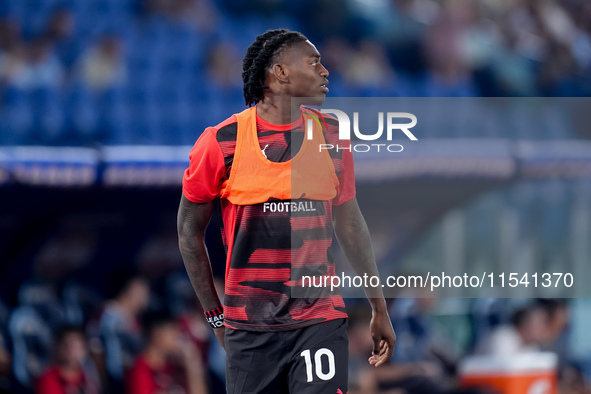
[(203, 179), (346, 189)]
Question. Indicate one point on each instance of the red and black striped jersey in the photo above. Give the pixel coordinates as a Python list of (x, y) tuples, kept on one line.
[(271, 243)]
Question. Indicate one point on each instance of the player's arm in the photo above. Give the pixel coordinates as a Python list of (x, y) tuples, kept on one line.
[(353, 236), (192, 221)]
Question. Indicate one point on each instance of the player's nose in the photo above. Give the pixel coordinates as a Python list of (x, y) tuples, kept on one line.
[(323, 71)]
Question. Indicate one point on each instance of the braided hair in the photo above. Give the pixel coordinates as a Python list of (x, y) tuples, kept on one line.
[(259, 57)]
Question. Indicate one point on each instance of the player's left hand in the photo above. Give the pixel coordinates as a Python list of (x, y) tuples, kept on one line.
[(383, 337)]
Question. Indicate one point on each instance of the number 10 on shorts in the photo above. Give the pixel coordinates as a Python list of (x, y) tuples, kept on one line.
[(318, 359)]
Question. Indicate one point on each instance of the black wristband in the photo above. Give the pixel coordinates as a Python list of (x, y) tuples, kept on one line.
[(215, 318)]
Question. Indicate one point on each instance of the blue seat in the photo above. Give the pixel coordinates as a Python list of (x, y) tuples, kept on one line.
[(114, 116), (175, 121), (48, 115), (81, 116), (32, 15), (144, 119), (16, 121)]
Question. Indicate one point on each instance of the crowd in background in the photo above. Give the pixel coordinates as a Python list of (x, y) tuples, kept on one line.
[(159, 71), (146, 338), (86, 72), (66, 339), (426, 360)]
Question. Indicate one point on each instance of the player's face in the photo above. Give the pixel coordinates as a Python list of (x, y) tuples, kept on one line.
[(307, 76)]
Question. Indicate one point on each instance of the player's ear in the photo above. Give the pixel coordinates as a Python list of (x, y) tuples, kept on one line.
[(280, 72)]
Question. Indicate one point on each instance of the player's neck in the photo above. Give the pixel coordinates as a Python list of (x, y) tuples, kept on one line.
[(278, 111)]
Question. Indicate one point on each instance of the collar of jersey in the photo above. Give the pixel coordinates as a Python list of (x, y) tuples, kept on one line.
[(299, 123)]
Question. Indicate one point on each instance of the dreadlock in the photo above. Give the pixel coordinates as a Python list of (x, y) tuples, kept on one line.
[(258, 58)]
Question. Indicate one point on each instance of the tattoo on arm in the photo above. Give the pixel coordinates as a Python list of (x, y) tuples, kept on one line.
[(192, 221)]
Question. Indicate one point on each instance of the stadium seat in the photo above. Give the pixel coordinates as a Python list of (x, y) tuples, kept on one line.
[(81, 116), (115, 117), (48, 116), (17, 118), (32, 15)]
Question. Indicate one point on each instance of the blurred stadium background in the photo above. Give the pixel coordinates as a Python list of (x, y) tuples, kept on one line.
[(101, 100)]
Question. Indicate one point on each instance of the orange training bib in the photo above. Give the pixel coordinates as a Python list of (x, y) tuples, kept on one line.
[(254, 179)]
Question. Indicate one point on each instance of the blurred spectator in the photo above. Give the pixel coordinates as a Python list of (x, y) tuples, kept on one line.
[(62, 254), (224, 66), (154, 370), (360, 343), (217, 354), (558, 318), (12, 51), (5, 356), (42, 69), (201, 13), (422, 363), (194, 327), (558, 315), (158, 7), (60, 25), (42, 296), (385, 48), (421, 339), (120, 329), (31, 338), (158, 256), (5, 367), (31, 327), (485, 315), (335, 50), (13, 62), (67, 373), (527, 332), (424, 360), (195, 330), (447, 73), (10, 34), (181, 299), (102, 67), (80, 302), (60, 30), (367, 68)]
